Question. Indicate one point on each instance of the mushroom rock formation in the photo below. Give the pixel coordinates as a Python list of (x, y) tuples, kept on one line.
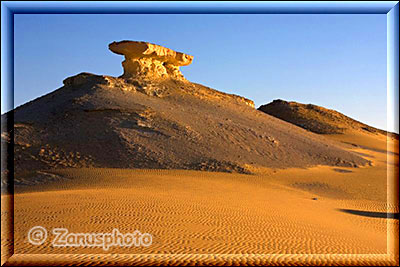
[(150, 61)]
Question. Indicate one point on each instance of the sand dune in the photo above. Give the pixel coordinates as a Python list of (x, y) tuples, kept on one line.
[(275, 216), (191, 213)]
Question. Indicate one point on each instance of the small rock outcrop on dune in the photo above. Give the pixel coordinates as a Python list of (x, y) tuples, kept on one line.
[(317, 119), (151, 117)]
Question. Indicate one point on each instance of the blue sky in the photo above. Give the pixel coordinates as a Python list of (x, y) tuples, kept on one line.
[(335, 61)]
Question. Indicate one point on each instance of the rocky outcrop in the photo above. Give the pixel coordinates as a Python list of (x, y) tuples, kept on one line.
[(317, 119), (146, 60), (154, 70), (109, 122), (152, 118)]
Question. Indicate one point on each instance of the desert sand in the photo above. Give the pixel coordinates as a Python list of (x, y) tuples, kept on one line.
[(318, 215)]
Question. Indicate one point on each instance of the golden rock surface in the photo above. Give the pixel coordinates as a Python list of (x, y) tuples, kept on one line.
[(150, 61)]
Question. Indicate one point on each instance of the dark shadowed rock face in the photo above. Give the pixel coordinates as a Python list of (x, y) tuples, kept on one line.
[(315, 118), (104, 121)]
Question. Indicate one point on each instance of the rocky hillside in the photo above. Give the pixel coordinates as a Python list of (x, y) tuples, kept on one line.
[(165, 122), (316, 119)]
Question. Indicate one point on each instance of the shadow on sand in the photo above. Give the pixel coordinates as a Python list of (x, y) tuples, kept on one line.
[(342, 170), (372, 214)]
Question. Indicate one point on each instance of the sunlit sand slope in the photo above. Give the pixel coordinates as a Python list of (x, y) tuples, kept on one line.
[(322, 210), (319, 215)]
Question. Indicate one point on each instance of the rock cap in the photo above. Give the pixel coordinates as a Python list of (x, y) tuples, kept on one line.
[(150, 61), (137, 49)]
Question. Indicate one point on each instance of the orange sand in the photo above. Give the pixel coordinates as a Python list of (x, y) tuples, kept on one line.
[(319, 215)]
